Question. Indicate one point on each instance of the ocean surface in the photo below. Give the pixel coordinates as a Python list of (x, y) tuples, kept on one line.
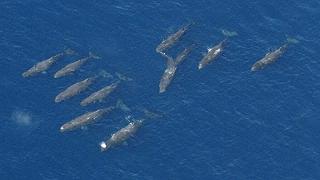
[(223, 122)]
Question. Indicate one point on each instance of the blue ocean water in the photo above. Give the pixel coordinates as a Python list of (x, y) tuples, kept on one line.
[(223, 122)]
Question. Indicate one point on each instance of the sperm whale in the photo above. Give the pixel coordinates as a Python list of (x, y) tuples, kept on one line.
[(171, 69), (216, 50), (172, 39), (100, 94), (42, 66), (74, 89), (121, 135), (85, 119), (212, 54), (72, 67)]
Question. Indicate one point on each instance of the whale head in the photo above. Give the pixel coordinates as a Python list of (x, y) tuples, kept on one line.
[(57, 75), (253, 68), (104, 146), (200, 66), (62, 129), (162, 89)]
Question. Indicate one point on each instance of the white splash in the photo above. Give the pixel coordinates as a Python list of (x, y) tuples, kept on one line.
[(22, 118)]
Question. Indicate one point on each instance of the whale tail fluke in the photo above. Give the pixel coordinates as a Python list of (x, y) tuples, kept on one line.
[(69, 51), (103, 73), (123, 77), (117, 77), (229, 33), (291, 40), (151, 115), (122, 106), (94, 56), (146, 115)]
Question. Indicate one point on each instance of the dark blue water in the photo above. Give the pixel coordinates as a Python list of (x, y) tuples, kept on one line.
[(223, 122)]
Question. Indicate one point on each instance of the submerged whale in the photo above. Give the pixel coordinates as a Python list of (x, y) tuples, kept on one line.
[(74, 89), (121, 135), (85, 119), (46, 64), (72, 67), (99, 95), (172, 39), (171, 68)]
